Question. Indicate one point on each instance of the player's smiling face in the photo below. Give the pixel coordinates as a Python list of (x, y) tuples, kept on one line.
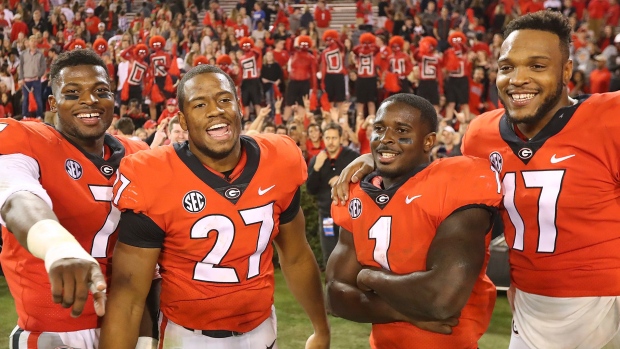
[(400, 140), (84, 101), (211, 115), (532, 76)]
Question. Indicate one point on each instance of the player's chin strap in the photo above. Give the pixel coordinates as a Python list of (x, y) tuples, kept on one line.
[(147, 343)]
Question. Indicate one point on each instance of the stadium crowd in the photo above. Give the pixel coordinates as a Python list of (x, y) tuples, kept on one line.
[(284, 56)]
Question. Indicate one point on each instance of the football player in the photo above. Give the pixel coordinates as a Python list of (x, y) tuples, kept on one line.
[(560, 173), (413, 248), (56, 210), (225, 203)]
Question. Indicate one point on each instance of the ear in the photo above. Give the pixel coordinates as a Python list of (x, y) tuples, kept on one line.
[(429, 141), (52, 101), (567, 72), (182, 121)]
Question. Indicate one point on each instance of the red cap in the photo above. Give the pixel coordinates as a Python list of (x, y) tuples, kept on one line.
[(172, 101), (149, 124)]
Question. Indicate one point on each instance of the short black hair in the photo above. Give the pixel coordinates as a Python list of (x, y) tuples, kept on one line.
[(75, 58), (428, 114), (333, 126), (548, 21), (198, 70)]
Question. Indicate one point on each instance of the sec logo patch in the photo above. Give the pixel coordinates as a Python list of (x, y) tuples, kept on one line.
[(194, 201), (355, 208)]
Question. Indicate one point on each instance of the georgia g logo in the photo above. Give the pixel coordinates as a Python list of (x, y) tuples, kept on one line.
[(355, 208)]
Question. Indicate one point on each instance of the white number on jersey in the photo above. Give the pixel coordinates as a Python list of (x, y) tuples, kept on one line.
[(429, 68), (381, 232), (102, 238), (550, 184), (3, 126), (210, 269)]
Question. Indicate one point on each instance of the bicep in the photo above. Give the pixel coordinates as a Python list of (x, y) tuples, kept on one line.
[(343, 265), (459, 248), (133, 269)]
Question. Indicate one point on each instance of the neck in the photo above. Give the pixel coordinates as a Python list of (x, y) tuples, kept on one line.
[(91, 146), (531, 130), (334, 153), (388, 181), (220, 165)]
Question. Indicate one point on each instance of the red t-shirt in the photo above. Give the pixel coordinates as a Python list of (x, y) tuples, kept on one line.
[(599, 80)]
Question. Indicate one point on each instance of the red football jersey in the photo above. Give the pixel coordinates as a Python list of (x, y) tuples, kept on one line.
[(561, 197), (430, 67), (456, 63), (160, 63), (366, 65), (216, 254), (332, 61), (400, 63), (393, 229), (80, 186), (251, 64), (302, 66)]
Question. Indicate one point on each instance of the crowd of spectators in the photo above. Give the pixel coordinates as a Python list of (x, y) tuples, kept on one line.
[(454, 43)]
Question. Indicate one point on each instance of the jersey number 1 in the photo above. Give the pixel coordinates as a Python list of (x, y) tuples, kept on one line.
[(381, 232), (209, 269)]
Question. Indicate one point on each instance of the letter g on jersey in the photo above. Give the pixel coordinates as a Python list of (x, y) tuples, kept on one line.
[(194, 201)]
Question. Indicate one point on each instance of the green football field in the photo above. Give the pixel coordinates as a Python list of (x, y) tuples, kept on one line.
[(293, 326)]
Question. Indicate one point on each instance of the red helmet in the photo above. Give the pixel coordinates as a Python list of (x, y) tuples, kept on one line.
[(223, 60), (157, 42), (100, 46), (198, 60), (141, 50), (77, 44), (330, 35), (246, 44), (304, 42), (397, 42)]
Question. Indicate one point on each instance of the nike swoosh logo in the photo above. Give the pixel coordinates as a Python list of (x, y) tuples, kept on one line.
[(262, 192), (555, 160), (272, 344), (409, 199)]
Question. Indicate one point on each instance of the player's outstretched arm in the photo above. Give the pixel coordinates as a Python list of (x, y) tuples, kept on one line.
[(353, 173), (72, 271), (302, 276), (455, 259), (132, 274)]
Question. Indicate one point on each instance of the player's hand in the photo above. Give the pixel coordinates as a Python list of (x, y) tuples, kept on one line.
[(318, 341), (72, 279), (353, 173), (332, 181)]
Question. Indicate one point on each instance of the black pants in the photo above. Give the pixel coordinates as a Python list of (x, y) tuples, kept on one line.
[(329, 237)]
